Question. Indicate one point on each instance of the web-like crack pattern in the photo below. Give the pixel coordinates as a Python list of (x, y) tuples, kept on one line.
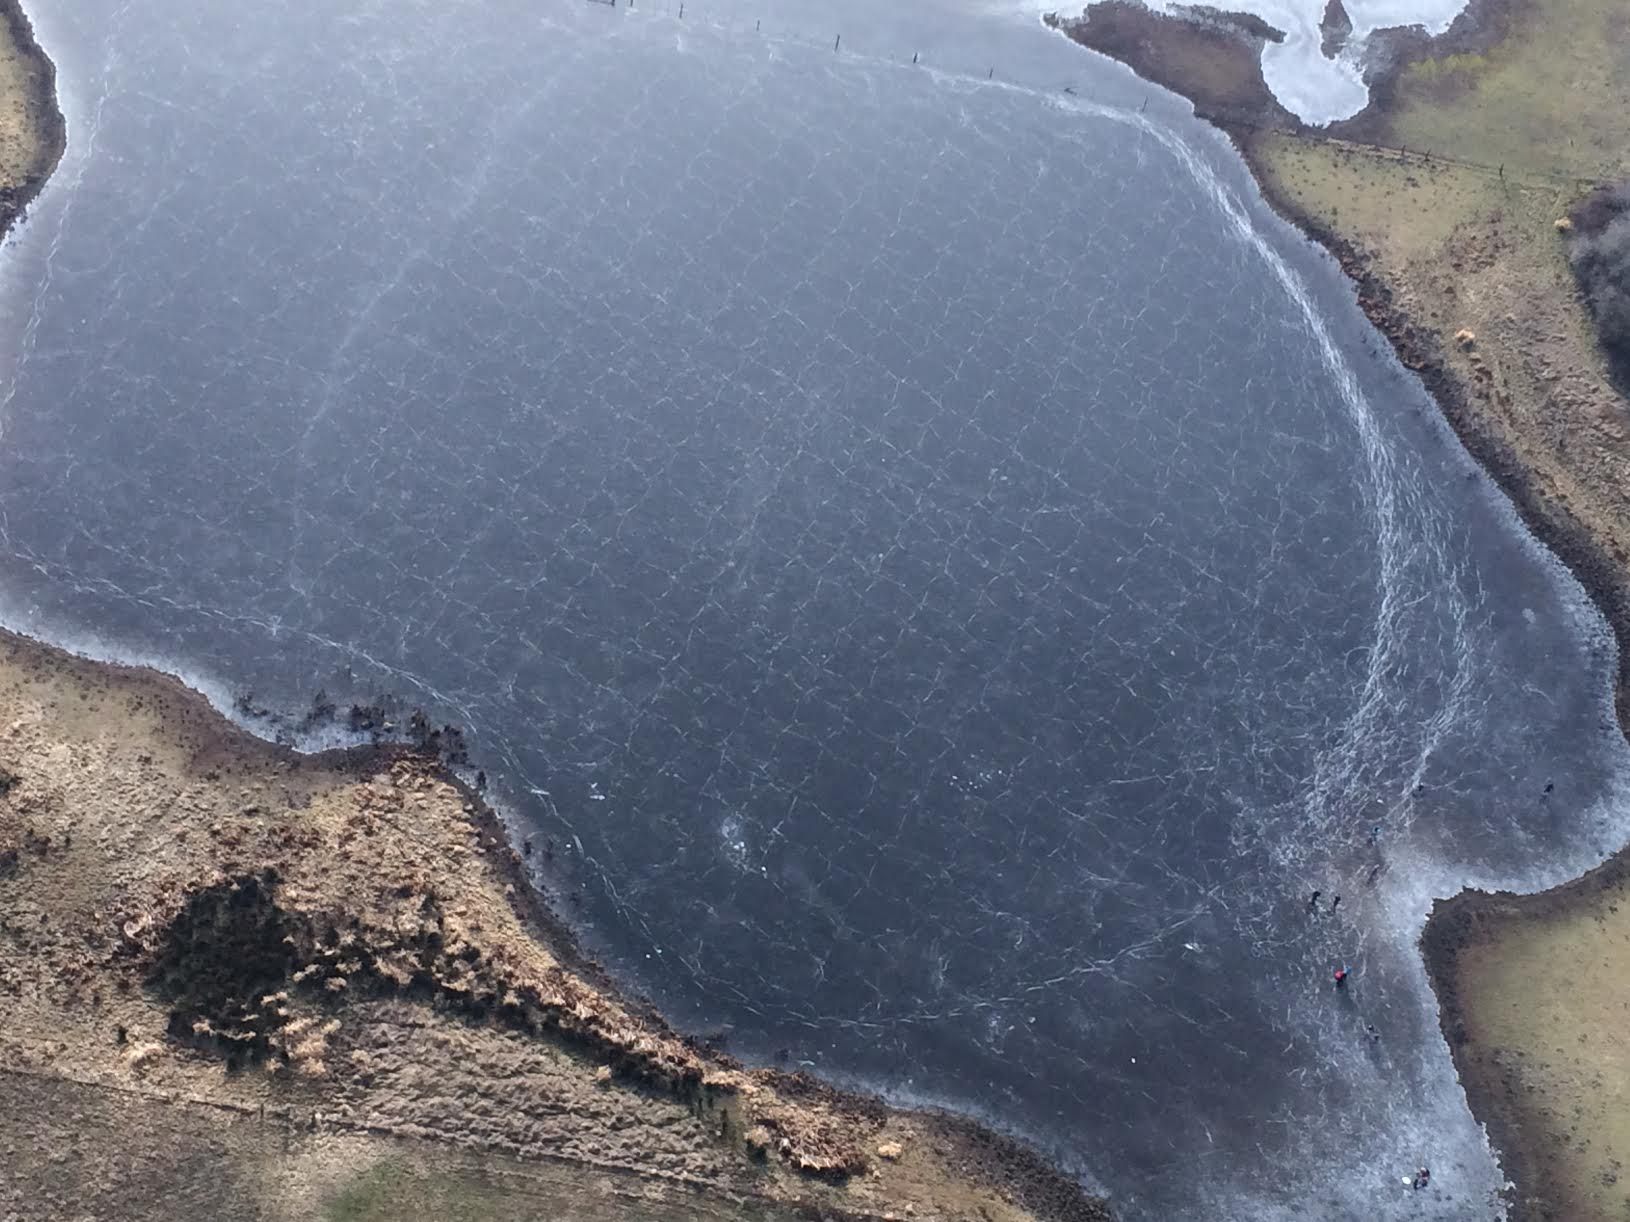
[(897, 535)]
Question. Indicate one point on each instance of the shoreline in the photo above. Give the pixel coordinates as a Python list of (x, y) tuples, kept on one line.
[(1473, 919), (1604, 579), (138, 931), (41, 113), (1463, 923), (1601, 577), (1453, 923)]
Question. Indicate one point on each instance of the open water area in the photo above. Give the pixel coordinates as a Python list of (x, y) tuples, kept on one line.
[(939, 572)]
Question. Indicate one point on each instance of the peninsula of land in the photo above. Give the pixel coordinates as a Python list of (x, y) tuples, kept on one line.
[(1452, 200)]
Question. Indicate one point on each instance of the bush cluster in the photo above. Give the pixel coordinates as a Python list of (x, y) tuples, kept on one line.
[(1600, 254)]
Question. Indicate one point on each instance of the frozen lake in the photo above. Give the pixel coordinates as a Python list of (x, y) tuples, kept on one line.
[(948, 572)]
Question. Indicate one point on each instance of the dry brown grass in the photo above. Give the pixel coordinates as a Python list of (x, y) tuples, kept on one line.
[(1544, 1029)]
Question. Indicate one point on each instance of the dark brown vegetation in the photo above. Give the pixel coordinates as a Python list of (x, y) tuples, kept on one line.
[(1599, 252), (1335, 27)]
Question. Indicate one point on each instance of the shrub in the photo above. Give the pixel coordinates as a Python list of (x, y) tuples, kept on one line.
[(1600, 255)]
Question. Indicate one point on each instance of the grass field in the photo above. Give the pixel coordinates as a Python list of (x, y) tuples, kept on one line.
[(1547, 1015), (398, 1187), (1552, 98)]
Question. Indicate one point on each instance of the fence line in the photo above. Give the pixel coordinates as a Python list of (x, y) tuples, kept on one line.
[(676, 9)]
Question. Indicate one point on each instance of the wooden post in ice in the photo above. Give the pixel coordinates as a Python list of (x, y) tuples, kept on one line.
[(836, 41)]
